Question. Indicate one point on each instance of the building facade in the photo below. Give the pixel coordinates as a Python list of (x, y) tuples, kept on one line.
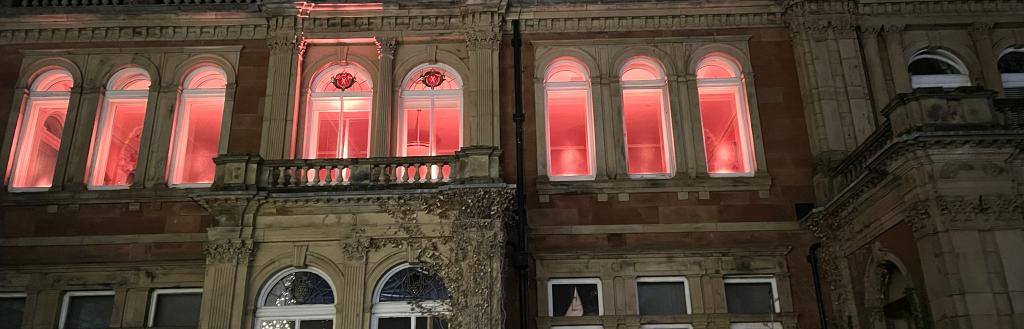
[(499, 164)]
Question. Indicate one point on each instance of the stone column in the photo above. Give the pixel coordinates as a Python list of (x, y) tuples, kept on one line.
[(981, 34), (876, 74), (224, 295), (281, 101), (383, 99), (481, 116), (897, 60)]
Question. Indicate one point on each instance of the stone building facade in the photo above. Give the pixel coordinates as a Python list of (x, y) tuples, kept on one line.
[(353, 164)]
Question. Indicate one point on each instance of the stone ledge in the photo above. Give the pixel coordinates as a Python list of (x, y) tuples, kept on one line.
[(667, 228), (681, 185)]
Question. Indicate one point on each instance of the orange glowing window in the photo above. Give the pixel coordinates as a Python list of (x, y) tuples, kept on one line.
[(431, 115), (115, 150), (38, 134), (197, 126), (569, 120), (646, 119), (338, 116), (724, 117)]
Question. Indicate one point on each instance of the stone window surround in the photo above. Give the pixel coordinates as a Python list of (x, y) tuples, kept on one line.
[(299, 313), (665, 279), (588, 280), (100, 64), (151, 311), (615, 269), (66, 300), (610, 168), (756, 279)]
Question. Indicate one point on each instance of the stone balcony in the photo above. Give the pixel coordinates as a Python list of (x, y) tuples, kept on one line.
[(928, 115), (470, 165)]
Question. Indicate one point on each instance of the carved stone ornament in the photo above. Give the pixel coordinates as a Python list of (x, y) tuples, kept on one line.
[(226, 252), (483, 39), (386, 47), (343, 80), (432, 78)]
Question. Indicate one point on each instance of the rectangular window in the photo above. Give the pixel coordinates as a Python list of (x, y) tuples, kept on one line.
[(666, 326), (38, 144), (12, 310), (568, 133), (645, 131), (663, 296), (175, 308), (756, 325), (117, 143), (575, 297), (751, 295), (339, 128), (420, 322), (87, 310)]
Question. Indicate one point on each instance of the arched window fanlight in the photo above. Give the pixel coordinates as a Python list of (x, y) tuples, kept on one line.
[(410, 298), (296, 299), (646, 118), (338, 113), (1011, 67), (115, 148), (569, 120), (40, 130), (724, 117), (197, 126), (937, 68), (431, 114)]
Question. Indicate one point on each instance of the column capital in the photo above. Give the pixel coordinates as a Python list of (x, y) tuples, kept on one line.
[(893, 28), (228, 252), (870, 31), (386, 46), (980, 27), (483, 38)]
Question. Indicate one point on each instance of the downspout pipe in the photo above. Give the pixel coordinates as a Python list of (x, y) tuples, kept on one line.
[(812, 258), (522, 256)]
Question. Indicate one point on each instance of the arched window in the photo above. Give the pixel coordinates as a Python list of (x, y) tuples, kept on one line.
[(937, 68), (408, 298), (569, 120), (1011, 67), (431, 115), (115, 149), (296, 299), (338, 113), (724, 117), (38, 135), (197, 126), (646, 118), (897, 297)]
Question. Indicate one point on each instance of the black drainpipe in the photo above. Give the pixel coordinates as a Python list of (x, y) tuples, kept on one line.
[(522, 264), (812, 258)]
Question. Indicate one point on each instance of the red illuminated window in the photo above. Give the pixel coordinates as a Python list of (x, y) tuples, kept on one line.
[(38, 134), (115, 151), (645, 118), (338, 115), (569, 119), (724, 117), (431, 116), (197, 126)]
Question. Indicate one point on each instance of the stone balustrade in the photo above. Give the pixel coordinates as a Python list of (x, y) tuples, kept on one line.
[(474, 164)]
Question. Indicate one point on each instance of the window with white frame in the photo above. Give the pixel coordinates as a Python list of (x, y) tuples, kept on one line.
[(39, 131), (115, 148), (338, 113), (296, 299), (1011, 68), (663, 295), (12, 310), (724, 117), (86, 310), (937, 68), (178, 307), (645, 116), (666, 326), (577, 327), (751, 295), (197, 126), (408, 297), (575, 297), (569, 120), (431, 115), (755, 325)]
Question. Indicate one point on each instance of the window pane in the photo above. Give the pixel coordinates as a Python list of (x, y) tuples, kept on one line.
[(328, 125), (41, 131), (198, 139), (11, 312), (89, 312), (177, 310), (749, 298), (575, 299), (277, 324), (413, 284), (725, 146), (357, 134), (394, 323), (117, 150), (300, 288), (568, 135), (446, 125), (316, 324), (644, 121), (417, 126), (661, 298)]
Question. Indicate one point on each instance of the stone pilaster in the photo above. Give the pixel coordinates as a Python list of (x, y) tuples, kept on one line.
[(876, 73), (481, 115), (69, 173), (286, 51), (981, 34), (897, 59), (383, 99), (227, 268)]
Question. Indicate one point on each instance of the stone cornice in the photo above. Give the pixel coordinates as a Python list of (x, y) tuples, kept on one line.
[(133, 33)]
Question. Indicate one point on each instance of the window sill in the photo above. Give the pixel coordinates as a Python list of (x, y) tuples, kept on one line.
[(680, 184)]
